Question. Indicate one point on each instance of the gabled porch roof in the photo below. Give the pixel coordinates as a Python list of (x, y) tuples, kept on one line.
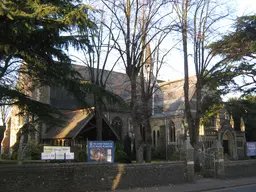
[(75, 122)]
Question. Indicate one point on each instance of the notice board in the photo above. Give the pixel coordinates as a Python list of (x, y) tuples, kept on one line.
[(101, 151), (251, 148)]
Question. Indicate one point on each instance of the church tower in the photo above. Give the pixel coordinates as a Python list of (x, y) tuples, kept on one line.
[(148, 65)]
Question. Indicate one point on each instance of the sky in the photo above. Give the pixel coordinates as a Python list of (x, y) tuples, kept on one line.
[(246, 7), (174, 69)]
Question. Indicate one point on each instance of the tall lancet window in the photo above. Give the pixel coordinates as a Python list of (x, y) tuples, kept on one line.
[(172, 133), (117, 125)]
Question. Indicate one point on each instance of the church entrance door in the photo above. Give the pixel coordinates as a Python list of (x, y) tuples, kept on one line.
[(225, 147), (228, 143)]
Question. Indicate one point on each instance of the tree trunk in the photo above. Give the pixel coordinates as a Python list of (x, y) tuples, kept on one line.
[(188, 115), (138, 145), (195, 139), (135, 121), (20, 148), (98, 125), (98, 117), (148, 141)]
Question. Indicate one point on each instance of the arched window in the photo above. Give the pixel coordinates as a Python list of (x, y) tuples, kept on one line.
[(226, 116), (142, 131), (67, 142), (158, 133), (54, 142), (117, 125), (237, 123), (172, 135), (212, 121), (130, 126), (154, 138)]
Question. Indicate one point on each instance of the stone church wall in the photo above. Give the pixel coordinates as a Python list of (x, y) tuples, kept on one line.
[(124, 118)]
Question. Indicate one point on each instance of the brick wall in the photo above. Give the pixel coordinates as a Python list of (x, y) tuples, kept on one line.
[(237, 169), (80, 177)]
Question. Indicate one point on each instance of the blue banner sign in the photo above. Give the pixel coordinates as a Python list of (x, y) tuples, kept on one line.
[(101, 151), (251, 148)]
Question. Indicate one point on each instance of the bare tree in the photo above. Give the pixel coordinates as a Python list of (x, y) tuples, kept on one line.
[(96, 59), (200, 24), (4, 111), (148, 82), (182, 13), (139, 22)]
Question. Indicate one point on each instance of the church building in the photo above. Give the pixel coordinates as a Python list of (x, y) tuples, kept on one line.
[(166, 121)]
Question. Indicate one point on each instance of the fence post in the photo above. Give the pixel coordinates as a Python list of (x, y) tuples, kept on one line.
[(219, 159), (187, 155)]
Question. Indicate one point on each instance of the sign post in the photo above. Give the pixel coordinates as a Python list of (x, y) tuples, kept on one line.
[(101, 151)]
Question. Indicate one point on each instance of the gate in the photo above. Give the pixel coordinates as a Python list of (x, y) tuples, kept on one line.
[(207, 161)]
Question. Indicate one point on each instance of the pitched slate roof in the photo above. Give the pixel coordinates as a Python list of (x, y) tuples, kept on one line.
[(117, 82), (169, 99)]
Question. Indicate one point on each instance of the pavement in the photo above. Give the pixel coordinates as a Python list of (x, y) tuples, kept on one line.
[(213, 185)]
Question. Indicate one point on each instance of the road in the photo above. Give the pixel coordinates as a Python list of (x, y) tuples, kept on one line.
[(205, 185), (245, 188)]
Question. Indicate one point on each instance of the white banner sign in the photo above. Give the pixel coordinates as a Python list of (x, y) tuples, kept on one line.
[(70, 156), (45, 156), (60, 156), (57, 152), (52, 156), (56, 149)]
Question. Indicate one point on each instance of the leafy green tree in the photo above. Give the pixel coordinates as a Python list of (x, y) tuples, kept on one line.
[(34, 38), (246, 108), (239, 48)]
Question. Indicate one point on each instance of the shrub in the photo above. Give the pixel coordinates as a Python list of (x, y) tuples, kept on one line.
[(154, 153), (32, 151), (120, 155), (5, 156), (119, 146), (175, 156), (157, 155), (14, 155), (81, 156), (127, 146)]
